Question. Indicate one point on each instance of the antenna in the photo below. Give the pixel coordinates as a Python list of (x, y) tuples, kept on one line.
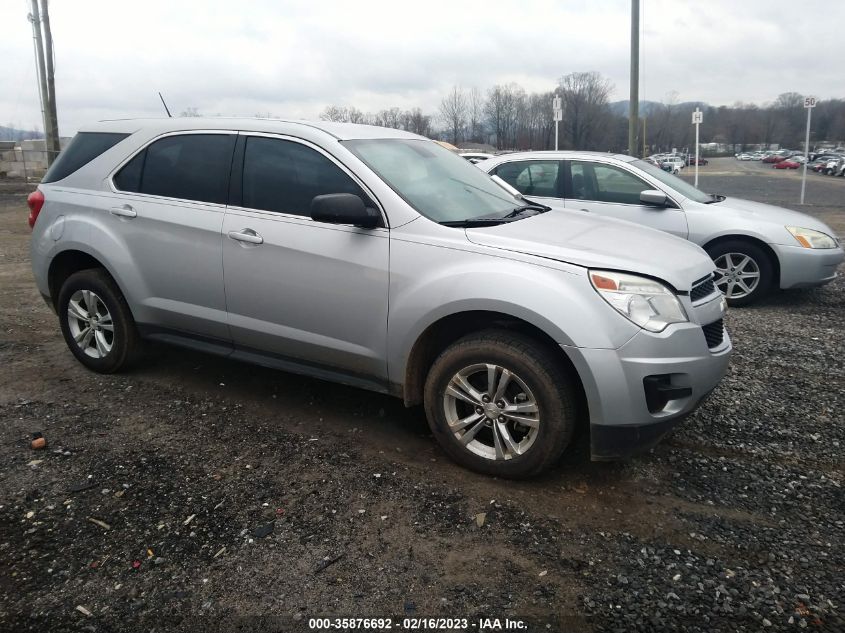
[(166, 109)]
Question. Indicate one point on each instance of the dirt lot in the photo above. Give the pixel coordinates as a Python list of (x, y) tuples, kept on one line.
[(201, 494)]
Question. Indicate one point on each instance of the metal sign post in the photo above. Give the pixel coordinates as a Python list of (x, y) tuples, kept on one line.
[(697, 118), (558, 116), (809, 104)]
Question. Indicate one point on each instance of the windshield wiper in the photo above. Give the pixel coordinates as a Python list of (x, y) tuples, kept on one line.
[(470, 222), (530, 206), (509, 217), (714, 197)]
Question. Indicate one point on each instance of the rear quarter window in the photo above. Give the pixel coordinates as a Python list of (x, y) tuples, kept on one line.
[(84, 148)]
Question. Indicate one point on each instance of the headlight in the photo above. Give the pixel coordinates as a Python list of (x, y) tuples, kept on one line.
[(808, 238), (646, 302)]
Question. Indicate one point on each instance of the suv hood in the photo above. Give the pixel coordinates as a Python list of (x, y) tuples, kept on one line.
[(770, 214), (586, 240)]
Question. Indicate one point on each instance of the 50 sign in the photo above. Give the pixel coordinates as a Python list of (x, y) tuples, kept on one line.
[(809, 102)]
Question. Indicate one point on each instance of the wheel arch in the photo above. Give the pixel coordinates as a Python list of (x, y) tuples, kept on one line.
[(66, 263), (773, 258), (448, 329)]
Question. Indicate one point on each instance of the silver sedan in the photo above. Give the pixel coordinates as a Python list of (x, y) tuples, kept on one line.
[(756, 247)]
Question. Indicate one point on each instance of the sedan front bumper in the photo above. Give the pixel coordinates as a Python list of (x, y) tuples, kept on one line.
[(637, 393), (807, 267)]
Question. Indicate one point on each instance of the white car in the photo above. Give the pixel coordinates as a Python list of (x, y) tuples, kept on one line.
[(675, 162), (745, 157), (755, 247)]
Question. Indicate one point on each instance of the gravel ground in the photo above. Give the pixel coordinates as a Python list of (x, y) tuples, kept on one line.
[(200, 494)]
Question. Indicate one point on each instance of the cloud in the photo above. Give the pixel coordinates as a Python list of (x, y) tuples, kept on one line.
[(294, 58)]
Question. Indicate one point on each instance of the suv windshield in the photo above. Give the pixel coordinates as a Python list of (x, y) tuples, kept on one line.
[(439, 184), (682, 187)]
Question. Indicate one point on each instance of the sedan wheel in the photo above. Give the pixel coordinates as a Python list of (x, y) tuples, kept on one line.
[(491, 411), (737, 275), (744, 271)]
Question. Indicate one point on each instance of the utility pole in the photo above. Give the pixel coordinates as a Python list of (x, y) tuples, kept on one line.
[(47, 103), (634, 100), (51, 81)]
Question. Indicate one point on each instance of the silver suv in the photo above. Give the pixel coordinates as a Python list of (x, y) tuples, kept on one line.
[(378, 259)]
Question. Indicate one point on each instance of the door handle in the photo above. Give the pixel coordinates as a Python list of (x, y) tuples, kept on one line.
[(585, 210), (246, 235), (124, 212)]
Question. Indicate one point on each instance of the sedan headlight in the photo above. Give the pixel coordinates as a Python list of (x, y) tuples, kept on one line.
[(646, 302), (808, 238)]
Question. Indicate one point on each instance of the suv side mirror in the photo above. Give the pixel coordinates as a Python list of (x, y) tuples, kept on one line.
[(653, 197), (343, 208)]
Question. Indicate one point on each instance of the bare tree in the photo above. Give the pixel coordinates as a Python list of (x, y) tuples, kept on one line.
[(475, 114), (453, 113), (343, 114), (190, 111), (584, 97), (417, 122), (504, 105)]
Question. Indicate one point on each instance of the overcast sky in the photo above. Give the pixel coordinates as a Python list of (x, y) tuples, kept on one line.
[(291, 59)]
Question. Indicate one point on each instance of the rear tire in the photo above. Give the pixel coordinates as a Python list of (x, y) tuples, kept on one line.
[(96, 322), (742, 281), (516, 425)]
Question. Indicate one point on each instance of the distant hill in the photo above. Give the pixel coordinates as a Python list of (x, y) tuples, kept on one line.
[(13, 134), (620, 108)]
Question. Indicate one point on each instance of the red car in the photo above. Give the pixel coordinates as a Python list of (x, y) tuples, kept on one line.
[(786, 163), (774, 158), (691, 161)]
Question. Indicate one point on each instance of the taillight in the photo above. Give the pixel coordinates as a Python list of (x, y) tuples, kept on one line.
[(35, 200)]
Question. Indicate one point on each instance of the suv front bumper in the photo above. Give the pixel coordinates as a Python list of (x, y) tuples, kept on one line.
[(639, 392)]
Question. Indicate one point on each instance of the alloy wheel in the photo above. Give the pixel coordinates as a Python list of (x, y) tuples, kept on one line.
[(491, 411), (737, 275), (90, 323)]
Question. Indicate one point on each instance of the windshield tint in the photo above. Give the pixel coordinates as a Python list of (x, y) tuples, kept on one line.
[(681, 186), (439, 184)]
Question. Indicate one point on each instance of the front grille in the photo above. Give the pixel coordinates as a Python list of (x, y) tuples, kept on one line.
[(714, 333), (702, 288)]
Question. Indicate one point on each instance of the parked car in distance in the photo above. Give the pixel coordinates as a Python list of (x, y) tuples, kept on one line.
[(786, 163), (691, 161), (756, 247), (283, 243), (744, 156), (673, 164)]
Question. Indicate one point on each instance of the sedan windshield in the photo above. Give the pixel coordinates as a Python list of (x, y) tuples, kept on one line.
[(439, 184), (681, 186)]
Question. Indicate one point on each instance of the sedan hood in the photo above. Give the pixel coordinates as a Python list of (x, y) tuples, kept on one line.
[(770, 213), (586, 240)]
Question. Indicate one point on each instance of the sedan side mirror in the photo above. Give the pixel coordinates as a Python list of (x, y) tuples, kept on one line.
[(343, 208), (653, 197)]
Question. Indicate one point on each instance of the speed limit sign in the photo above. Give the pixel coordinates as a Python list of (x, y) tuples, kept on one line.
[(809, 102)]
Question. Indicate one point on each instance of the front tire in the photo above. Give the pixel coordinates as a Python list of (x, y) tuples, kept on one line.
[(96, 321), (744, 272), (500, 403)]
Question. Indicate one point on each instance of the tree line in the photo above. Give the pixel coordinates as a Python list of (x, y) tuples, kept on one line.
[(507, 117)]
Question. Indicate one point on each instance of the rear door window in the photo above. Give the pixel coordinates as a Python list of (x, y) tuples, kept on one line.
[(285, 176), (184, 166), (605, 183), (532, 177), (84, 148)]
